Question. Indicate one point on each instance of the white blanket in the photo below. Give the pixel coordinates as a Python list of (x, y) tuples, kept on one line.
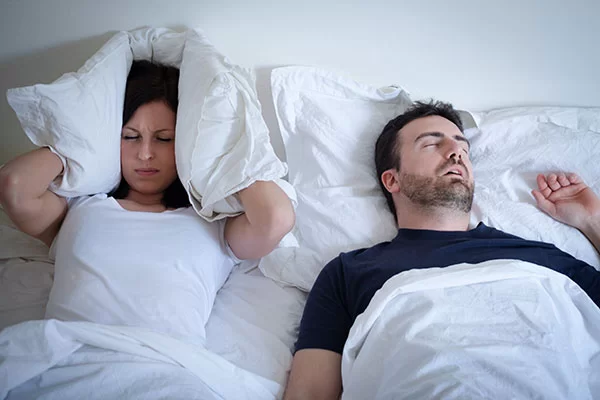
[(500, 329), (95, 361)]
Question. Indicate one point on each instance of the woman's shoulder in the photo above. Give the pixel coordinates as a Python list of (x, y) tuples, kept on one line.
[(73, 202)]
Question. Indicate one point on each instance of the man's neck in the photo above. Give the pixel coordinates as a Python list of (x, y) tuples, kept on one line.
[(435, 219)]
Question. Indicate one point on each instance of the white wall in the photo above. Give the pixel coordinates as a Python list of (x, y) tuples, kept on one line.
[(477, 54)]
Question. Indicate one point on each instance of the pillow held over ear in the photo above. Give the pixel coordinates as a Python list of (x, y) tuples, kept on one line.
[(222, 143)]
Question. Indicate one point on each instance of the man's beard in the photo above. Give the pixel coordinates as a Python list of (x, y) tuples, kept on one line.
[(438, 192)]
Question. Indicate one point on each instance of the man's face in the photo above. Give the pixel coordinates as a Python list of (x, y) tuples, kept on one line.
[(435, 169)]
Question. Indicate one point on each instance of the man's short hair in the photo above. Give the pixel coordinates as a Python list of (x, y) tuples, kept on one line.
[(387, 147)]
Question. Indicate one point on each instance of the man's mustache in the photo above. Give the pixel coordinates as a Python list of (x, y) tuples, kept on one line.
[(451, 162)]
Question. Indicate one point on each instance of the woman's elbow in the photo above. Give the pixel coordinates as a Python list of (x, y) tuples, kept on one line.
[(9, 185), (282, 222)]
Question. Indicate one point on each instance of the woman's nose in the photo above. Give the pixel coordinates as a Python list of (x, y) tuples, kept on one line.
[(146, 151)]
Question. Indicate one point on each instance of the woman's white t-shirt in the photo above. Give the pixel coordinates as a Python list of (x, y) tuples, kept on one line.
[(160, 271)]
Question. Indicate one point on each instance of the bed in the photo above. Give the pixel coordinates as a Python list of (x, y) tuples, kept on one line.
[(329, 124), (253, 323)]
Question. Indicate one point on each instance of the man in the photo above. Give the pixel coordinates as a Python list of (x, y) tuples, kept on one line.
[(422, 160)]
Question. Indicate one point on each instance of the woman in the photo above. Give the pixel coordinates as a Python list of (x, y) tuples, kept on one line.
[(140, 257)]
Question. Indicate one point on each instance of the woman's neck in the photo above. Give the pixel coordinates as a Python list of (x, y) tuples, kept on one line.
[(146, 200)]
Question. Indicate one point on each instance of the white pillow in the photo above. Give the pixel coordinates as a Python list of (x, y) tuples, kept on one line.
[(222, 143), (79, 117), (511, 147), (329, 126)]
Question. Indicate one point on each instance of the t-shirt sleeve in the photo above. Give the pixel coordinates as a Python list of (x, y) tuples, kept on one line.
[(326, 321), (224, 242)]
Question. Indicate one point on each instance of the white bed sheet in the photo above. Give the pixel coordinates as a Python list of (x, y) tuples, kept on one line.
[(253, 323)]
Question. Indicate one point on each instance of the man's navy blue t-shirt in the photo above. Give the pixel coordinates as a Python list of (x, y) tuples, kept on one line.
[(346, 285)]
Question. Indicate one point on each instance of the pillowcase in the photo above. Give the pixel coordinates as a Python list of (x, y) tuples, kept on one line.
[(222, 143), (79, 118), (329, 125)]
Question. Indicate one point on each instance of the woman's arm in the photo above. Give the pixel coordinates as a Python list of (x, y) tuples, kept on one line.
[(268, 216), (25, 197)]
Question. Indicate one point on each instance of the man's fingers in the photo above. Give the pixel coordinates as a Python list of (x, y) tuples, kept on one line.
[(543, 203), (543, 185), (574, 178), (566, 191), (553, 182), (563, 180)]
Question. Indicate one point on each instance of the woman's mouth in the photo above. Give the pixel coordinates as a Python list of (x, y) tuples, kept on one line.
[(146, 171)]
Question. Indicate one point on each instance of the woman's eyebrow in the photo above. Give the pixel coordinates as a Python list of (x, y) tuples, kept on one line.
[(156, 131)]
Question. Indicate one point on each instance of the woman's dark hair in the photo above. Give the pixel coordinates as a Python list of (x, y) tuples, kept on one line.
[(387, 148), (148, 82)]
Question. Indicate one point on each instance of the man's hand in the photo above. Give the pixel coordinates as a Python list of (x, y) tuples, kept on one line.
[(566, 198)]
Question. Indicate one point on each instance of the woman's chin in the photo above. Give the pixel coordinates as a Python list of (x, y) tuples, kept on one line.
[(147, 190)]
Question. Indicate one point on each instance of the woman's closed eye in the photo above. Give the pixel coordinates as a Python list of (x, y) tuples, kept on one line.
[(130, 137), (136, 137)]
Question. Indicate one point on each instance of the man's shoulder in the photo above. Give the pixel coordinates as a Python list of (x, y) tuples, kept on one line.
[(364, 254), (494, 233), (488, 231)]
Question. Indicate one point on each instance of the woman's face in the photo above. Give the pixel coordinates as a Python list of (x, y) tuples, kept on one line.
[(148, 149)]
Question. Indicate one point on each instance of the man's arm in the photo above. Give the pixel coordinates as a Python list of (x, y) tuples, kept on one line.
[(592, 231), (567, 199), (268, 216), (316, 374), (317, 366)]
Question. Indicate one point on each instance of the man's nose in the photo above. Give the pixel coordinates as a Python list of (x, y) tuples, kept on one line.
[(453, 150)]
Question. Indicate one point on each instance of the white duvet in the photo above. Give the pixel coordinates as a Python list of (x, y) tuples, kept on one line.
[(501, 329), (247, 353), (123, 362)]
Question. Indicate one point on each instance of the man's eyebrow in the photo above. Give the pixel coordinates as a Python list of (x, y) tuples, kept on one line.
[(441, 135), (428, 134), (464, 139)]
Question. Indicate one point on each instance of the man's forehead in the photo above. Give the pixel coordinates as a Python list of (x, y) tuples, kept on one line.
[(432, 123)]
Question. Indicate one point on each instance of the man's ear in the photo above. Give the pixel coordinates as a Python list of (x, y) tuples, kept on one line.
[(390, 180)]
